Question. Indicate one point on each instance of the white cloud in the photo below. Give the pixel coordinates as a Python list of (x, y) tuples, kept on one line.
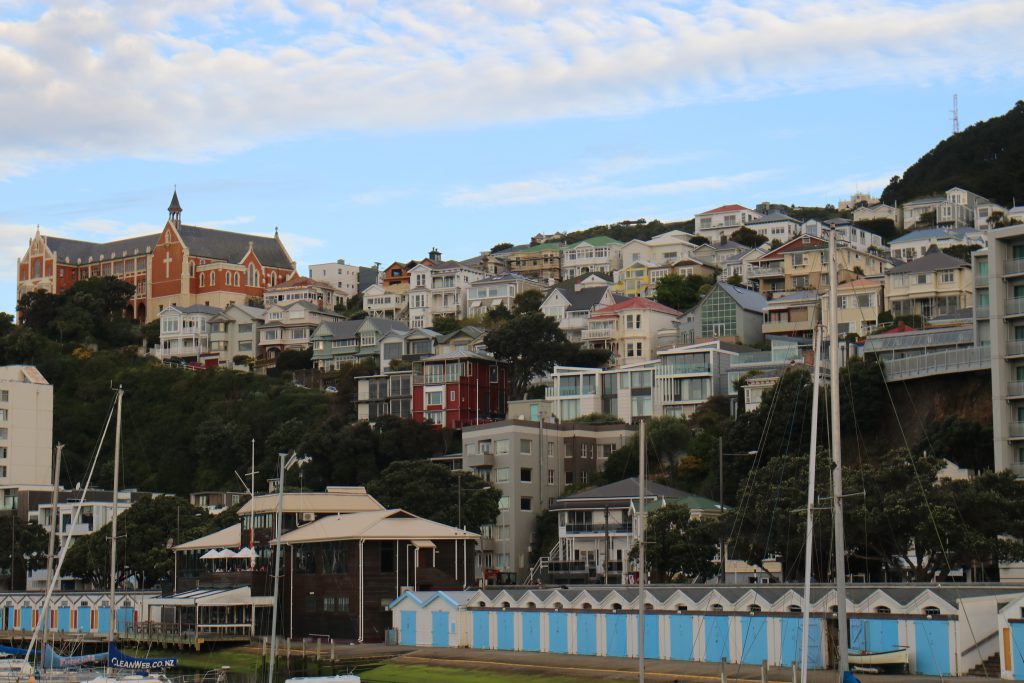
[(186, 79)]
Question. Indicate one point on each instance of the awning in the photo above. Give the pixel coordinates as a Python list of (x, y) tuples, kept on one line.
[(423, 544), (246, 553), (207, 597)]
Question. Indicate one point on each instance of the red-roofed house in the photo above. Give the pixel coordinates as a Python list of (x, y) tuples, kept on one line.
[(718, 224), (629, 328)]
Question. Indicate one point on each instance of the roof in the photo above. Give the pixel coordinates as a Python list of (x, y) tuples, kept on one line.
[(380, 525), (932, 260), (863, 283), (527, 248), (471, 331), (460, 354), (337, 499), (933, 233), (232, 246), (175, 205), (69, 249), (635, 303), (728, 208), (747, 299), (198, 308), (629, 489), (229, 537), (774, 217), (596, 241), (584, 299)]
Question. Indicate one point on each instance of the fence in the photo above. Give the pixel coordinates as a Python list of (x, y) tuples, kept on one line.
[(938, 363)]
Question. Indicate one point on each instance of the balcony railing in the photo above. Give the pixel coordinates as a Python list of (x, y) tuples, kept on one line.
[(669, 369), (1015, 347), (599, 333), (1015, 306), (1017, 430), (938, 363), (981, 312), (1014, 389), (622, 528), (1014, 266), (766, 270)]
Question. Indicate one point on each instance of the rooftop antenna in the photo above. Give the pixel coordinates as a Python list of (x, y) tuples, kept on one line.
[(956, 116)]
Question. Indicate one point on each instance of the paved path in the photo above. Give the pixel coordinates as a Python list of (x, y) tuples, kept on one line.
[(618, 668)]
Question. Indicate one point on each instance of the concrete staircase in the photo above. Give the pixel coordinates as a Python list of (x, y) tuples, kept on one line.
[(988, 668)]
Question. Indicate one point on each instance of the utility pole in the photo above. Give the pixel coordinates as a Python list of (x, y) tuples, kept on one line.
[(54, 521)]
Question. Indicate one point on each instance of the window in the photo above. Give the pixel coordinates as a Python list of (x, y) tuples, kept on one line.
[(503, 503), (3, 414), (796, 260), (501, 446), (526, 504), (202, 283), (525, 474), (435, 398), (213, 279), (501, 475), (5, 396), (882, 609), (946, 276), (525, 446), (3, 452), (551, 477)]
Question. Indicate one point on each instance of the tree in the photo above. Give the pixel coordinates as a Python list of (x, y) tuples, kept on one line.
[(23, 547), (430, 490), (699, 239), (679, 292), (667, 440), (883, 227), (501, 246), (579, 356), (91, 311), (748, 237), (294, 360), (530, 343), (150, 529), (734, 280), (964, 442), (527, 301), (679, 547), (962, 251), (444, 324)]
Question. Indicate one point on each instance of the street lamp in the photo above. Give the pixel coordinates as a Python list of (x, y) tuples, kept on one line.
[(723, 547)]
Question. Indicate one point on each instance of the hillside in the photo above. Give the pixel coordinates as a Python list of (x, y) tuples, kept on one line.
[(986, 158)]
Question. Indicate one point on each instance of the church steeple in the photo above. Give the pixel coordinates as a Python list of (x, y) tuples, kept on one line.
[(174, 210)]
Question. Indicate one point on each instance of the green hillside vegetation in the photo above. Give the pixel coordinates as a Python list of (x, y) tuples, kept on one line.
[(986, 158)]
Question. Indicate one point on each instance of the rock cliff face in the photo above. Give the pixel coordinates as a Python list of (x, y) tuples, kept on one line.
[(922, 402)]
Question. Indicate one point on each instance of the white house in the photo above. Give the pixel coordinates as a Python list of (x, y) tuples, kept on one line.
[(184, 332), (717, 224), (439, 288)]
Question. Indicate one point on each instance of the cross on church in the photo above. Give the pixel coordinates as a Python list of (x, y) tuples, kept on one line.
[(167, 264)]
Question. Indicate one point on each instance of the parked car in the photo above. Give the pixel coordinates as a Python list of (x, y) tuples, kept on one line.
[(330, 389)]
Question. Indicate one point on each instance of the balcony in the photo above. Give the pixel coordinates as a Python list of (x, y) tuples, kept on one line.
[(786, 326), (981, 312), (672, 369), (1015, 348), (1016, 430), (1015, 389), (767, 270), (620, 528), (598, 333), (1015, 306)]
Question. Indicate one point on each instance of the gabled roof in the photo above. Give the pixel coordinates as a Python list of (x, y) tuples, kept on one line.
[(934, 233), (460, 354), (232, 246), (208, 310), (379, 525), (629, 489), (932, 260), (803, 242), (596, 241), (336, 499), (637, 302), (728, 208), (584, 299), (471, 331)]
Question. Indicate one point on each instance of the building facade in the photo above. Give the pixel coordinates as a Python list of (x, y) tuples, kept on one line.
[(438, 289), (932, 285), (347, 280), (541, 262), (717, 225), (26, 430), (497, 290), (629, 329), (459, 388), (593, 255)]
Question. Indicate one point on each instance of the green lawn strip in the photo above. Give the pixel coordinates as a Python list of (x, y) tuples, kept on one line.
[(214, 659), (421, 673)]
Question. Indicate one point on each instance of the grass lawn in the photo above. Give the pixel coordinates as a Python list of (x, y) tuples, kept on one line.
[(419, 673), (238, 660)]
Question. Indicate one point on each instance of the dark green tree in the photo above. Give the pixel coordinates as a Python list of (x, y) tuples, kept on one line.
[(667, 440), (530, 343), (699, 239), (965, 442), (679, 292), (430, 490), (528, 301), (22, 547), (679, 549), (748, 237), (501, 246)]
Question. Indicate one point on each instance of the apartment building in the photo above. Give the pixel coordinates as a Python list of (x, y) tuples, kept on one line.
[(347, 280), (185, 333), (916, 243), (298, 288), (931, 285), (336, 342), (531, 463), (593, 255), (1002, 267), (571, 305), (26, 430), (389, 393), (497, 290), (629, 329), (290, 326), (860, 302), (720, 254), (458, 388), (776, 227), (627, 392), (387, 301), (687, 376), (728, 312), (718, 224), (438, 288), (541, 262), (955, 208), (234, 334), (802, 264)]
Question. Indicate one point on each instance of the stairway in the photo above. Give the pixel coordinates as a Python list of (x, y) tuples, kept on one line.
[(988, 668)]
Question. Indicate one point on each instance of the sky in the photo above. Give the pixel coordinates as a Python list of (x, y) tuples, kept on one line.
[(372, 131)]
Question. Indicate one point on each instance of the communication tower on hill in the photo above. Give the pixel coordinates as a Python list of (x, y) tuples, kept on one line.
[(956, 116)]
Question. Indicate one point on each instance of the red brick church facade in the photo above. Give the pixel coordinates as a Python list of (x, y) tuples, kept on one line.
[(183, 265)]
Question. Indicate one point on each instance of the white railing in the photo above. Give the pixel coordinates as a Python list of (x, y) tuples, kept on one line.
[(938, 363)]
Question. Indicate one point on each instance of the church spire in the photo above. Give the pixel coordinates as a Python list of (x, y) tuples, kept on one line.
[(174, 210)]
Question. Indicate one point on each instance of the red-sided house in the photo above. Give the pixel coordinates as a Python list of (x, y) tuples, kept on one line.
[(183, 265), (459, 388)]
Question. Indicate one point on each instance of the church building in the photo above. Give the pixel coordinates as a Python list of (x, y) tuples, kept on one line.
[(183, 265)]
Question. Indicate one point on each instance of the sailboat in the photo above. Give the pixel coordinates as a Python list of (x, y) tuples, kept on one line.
[(860, 659)]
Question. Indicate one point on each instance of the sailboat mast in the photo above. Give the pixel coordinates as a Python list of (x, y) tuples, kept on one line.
[(809, 540), (54, 521), (113, 520), (837, 455), (641, 540)]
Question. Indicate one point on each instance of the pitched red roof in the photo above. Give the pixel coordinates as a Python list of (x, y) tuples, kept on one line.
[(899, 328), (637, 302), (728, 208), (798, 243)]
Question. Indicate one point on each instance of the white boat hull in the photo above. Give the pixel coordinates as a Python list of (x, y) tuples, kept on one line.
[(896, 657)]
